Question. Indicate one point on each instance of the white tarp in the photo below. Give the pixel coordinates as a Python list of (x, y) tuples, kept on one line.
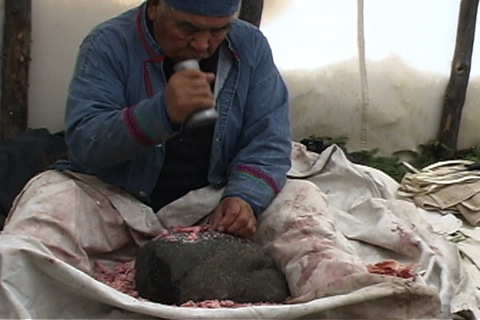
[(351, 220)]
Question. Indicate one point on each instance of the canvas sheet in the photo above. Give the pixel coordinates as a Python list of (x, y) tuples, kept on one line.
[(349, 219)]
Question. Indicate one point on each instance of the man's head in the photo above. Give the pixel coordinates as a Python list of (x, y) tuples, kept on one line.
[(191, 29)]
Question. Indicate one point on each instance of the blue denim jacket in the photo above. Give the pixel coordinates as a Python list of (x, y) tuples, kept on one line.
[(116, 121)]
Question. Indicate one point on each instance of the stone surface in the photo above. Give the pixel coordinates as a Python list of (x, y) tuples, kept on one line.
[(195, 264)]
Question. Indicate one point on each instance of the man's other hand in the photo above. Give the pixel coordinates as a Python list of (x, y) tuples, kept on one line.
[(234, 216)]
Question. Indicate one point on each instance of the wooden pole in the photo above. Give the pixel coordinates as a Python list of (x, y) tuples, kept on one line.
[(365, 101), (15, 67), (251, 11), (454, 98)]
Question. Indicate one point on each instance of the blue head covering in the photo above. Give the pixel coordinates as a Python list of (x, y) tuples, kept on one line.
[(217, 8)]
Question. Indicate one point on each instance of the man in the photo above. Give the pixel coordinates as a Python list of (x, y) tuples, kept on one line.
[(133, 157), (131, 152), (126, 109)]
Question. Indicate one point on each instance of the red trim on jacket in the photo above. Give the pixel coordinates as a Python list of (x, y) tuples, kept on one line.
[(154, 57)]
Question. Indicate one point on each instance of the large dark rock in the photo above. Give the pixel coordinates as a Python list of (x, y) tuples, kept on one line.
[(193, 264)]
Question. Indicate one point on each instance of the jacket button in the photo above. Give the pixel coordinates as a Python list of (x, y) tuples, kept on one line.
[(142, 193)]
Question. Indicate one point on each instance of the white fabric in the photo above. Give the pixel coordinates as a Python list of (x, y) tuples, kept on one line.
[(330, 221), (370, 213)]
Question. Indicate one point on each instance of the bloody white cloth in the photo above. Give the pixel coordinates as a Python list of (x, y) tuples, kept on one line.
[(332, 219)]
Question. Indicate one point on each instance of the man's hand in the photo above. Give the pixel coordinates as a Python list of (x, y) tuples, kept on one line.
[(235, 216), (188, 91)]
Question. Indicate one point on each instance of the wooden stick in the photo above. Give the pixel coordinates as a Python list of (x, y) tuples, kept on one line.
[(15, 67), (454, 98), (251, 11)]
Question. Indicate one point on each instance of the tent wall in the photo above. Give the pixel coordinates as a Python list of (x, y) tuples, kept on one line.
[(409, 47), (58, 27), (408, 51)]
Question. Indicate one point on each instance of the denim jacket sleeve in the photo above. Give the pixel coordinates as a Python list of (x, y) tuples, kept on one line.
[(103, 127), (258, 171)]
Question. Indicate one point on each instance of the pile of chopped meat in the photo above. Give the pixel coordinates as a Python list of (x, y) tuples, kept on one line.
[(191, 234), (393, 268), (121, 277)]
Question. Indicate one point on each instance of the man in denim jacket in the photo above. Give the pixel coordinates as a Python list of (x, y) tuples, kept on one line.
[(126, 109), (134, 162), (133, 156)]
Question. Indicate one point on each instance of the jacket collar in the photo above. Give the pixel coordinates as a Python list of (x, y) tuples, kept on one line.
[(146, 38)]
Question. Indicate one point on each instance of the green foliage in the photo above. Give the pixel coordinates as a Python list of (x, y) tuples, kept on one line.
[(427, 154), (340, 141), (390, 165)]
